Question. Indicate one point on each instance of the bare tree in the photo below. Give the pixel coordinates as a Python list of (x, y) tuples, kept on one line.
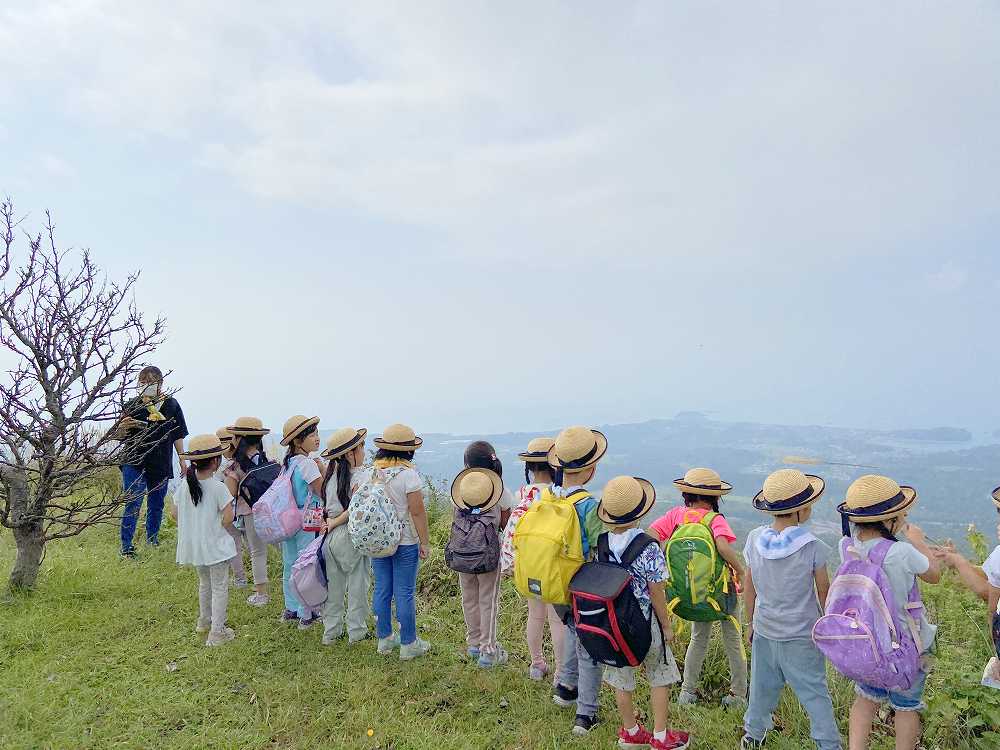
[(79, 341)]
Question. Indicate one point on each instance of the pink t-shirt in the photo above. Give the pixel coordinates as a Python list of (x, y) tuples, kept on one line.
[(665, 526)]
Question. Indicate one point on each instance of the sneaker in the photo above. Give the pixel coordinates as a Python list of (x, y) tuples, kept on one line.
[(538, 673), (203, 626), (330, 638), (352, 639), (686, 698), (674, 741), (583, 724), (289, 616), (217, 638), (308, 622), (409, 651), (388, 645), (564, 696), (749, 743), (128, 554), (496, 660), (635, 741), (258, 600), (473, 653), (734, 701)]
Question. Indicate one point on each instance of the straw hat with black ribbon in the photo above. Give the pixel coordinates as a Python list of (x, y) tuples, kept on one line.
[(703, 482), (788, 491), (248, 427), (625, 500), (576, 449), (996, 497), (476, 490), (201, 447), (537, 451), (343, 441), (228, 441), (398, 438), (295, 426), (873, 498)]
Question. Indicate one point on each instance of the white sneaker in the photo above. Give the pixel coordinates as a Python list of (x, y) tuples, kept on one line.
[(258, 600), (388, 645), (217, 638), (686, 698), (412, 650)]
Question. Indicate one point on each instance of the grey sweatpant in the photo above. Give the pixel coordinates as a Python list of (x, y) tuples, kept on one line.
[(732, 642), (348, 573)]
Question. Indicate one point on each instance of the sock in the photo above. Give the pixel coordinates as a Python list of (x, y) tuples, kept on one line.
[(633, 731), (660, 736)]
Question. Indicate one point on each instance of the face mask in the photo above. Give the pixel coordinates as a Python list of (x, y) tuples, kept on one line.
[(150, 391)]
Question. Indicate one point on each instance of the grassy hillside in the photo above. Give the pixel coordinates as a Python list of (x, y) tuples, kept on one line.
[(104, 656)]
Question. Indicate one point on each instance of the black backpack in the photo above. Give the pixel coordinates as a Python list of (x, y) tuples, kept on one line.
[(473, 545), (609, 621), (257, 481)]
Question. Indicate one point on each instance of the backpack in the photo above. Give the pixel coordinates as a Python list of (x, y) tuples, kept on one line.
[(699, 589), (257, 481), (548, 547), (474, 544), (276, 516), (308, 578), (863, 633), (372, 521), (609, 621), (526, 500)]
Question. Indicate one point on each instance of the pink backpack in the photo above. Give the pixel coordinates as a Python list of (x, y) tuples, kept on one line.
[(276, 516), (308, 579), (526, 497)]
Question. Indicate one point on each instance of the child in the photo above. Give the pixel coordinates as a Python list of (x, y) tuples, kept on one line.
[(477, 493), (537, 476), (785, 593), (396, 575), (248, 453), (301, 437), (347, 570), (701, 490), (203, 511), (876, 508), (624, 502), (574, 458), (228, 445)]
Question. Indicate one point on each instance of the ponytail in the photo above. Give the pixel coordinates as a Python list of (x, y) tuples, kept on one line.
[(344, 481), (194, 486)]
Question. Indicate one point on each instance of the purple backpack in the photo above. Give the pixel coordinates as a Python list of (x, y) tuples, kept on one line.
[(308, 578), (863, 634), (276, 516)]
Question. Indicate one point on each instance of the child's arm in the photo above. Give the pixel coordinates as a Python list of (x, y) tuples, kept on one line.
[(972, 576), (228, 514), (504, 518), (729, 555), (749, 601), (916, 537), (991, 600), (173, 511), (822, 576), (659, 599)]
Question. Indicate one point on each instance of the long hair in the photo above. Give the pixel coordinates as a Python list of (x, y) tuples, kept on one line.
[(690, 499), (293, 449), (533, 468), (339, 468), (482, 455), (384, 454), (878, 526), (191, 475), (243, 445)]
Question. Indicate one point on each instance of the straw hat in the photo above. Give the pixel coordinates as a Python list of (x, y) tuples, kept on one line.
[(343, 441), (538, 450), (225, 436), (577, 448), (398, 437), (876, 498), (248, 426), (295, 426), (476, 490), (625, 500), (703, 482), (203, 446), (788, 490), (996, 497)]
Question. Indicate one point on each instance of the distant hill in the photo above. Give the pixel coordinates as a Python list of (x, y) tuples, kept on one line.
[(937, 435)]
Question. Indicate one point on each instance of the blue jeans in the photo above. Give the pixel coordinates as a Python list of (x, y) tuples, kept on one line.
[(906, 700), (801, 665), (396, 579), (580, 671), (290, 551), (136, 487)]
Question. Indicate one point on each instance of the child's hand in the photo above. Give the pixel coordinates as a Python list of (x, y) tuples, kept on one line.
[(668, 633), (915, 534), (750, 633)]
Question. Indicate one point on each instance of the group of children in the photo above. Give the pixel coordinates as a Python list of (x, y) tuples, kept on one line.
[(783, 571)]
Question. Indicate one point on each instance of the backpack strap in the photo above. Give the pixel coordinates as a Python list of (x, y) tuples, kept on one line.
[(603, 548), (876, 555), (706, 520), (635, 548), (578, 495)]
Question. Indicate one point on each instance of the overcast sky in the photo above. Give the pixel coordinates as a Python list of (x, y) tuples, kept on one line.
[(480, 217)]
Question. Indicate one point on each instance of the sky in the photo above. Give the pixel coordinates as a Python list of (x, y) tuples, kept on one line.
[(483, 217)]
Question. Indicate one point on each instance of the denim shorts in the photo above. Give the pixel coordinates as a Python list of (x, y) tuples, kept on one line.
[(908, 700)]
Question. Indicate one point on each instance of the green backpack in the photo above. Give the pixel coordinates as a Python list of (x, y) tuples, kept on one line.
[(699, 589)]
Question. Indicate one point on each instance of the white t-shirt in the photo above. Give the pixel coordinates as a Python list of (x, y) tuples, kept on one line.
[(992, 568), (506, 500), (408, 480), (201, 538), (359, 475)]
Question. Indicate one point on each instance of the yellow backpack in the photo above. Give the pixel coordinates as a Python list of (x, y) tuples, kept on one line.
[(548, 549)]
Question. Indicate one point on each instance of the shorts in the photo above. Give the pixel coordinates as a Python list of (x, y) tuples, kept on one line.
[(908, 700), (659, 666)]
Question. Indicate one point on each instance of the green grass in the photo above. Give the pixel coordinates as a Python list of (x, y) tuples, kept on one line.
[(84, 664)]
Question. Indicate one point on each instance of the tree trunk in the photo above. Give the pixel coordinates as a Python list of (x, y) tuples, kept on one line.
[(30, 543)]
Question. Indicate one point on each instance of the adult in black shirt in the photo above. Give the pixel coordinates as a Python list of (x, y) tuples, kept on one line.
[(153, 427)]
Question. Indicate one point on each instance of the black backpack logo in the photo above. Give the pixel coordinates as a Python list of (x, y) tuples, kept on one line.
[(609, 620)]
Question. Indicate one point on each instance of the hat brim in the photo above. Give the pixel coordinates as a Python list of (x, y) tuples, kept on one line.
[(535, 457), (311, 422), (494, 498), (858, 516), (600, 449), (403, 447), (650, 500), (996, 497), (248, 431), (817, 485), (203, 454), (347, 447), (724, 488)]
